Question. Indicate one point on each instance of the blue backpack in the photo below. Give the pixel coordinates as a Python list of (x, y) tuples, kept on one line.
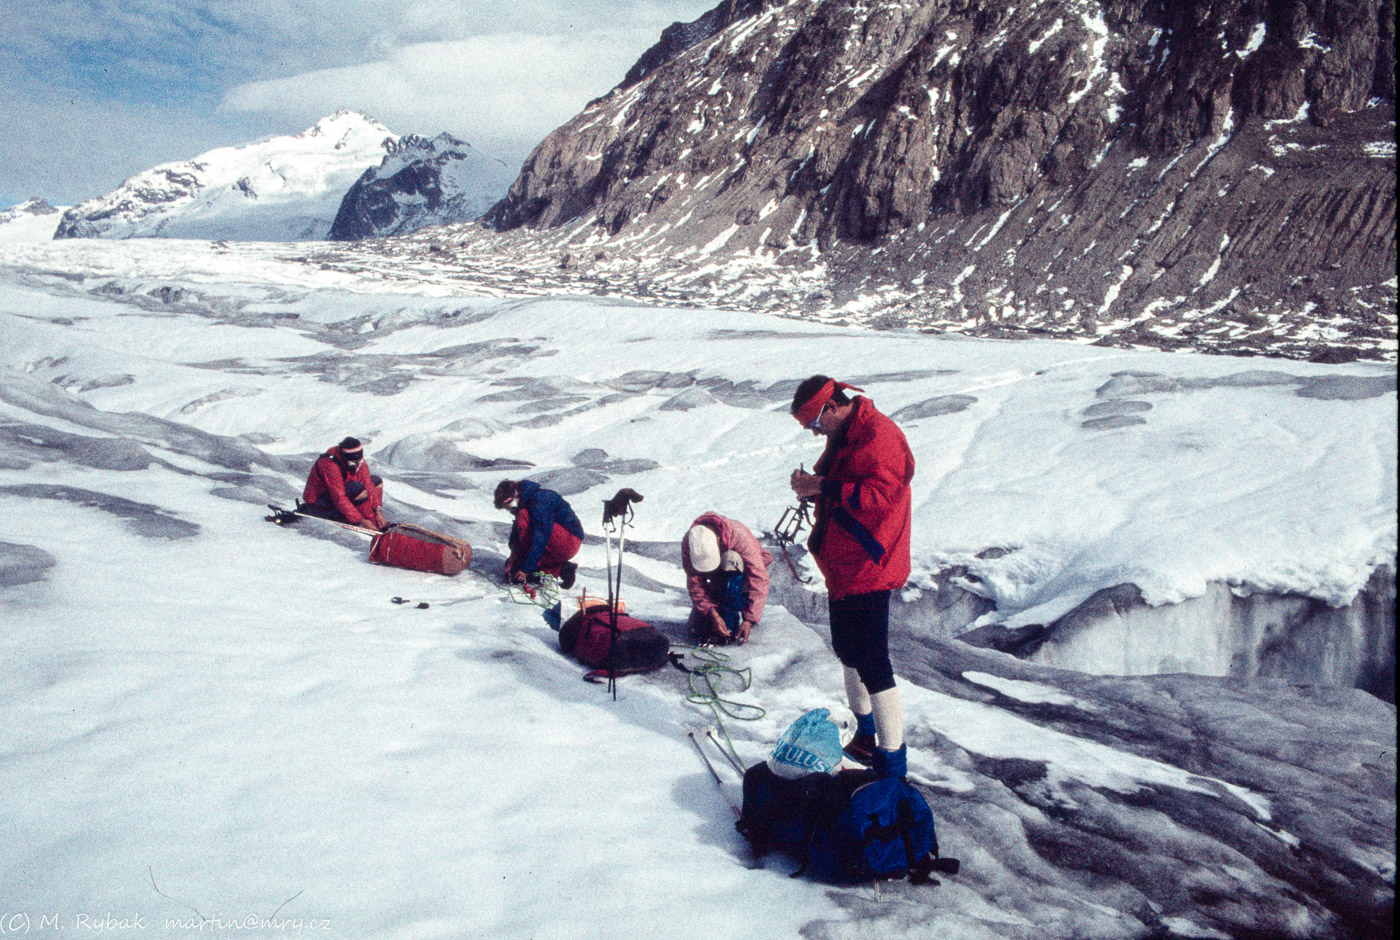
[(848, 827)]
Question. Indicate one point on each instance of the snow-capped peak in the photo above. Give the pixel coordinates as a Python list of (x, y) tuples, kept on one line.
[(30, 207), (30, 221), (276, 189)]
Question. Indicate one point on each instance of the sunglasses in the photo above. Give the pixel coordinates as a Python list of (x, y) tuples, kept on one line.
[(815, 423)]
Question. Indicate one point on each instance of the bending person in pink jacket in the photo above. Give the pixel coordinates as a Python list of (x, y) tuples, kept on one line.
[(727, 576)]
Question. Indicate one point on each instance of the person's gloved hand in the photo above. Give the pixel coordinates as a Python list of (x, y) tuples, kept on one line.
[(741, 634), (717, 621)]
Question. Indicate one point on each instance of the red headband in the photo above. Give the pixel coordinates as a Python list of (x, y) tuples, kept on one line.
[(814, 405)]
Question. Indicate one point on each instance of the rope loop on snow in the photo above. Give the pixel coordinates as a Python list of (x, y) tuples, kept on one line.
[(707, 682)]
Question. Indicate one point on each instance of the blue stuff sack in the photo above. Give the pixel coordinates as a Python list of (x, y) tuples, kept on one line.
[(811, 744)]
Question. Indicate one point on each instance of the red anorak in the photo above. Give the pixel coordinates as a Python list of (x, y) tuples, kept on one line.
[(328, 479), (560, 546), (733, 537), (860, 533)]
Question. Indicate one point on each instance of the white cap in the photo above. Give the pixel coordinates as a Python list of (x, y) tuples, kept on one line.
[(731, 561), (703, 545)]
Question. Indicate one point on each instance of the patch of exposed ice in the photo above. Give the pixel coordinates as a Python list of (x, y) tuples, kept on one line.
[(1033, 693)]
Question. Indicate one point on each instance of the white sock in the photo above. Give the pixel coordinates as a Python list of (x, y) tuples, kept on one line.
[(856, 696), (889, 719)]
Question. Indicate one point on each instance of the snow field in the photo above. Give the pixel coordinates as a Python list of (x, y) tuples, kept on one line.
[(235, 720)]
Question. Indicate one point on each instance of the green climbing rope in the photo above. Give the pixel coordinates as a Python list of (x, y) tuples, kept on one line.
[(543, 594), (707, 681)]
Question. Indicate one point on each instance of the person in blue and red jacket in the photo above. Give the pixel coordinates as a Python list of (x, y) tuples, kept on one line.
[(860, 540), (340, 487), (545, 536)]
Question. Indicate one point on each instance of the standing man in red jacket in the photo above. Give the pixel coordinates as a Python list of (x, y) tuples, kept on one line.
[(340, 487), (860, 540)]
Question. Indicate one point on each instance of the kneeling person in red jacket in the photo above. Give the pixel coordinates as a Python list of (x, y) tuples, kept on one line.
[(341, 488), (860, 540)]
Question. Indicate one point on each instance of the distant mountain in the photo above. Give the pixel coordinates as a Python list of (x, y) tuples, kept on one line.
[(30, 221), (421, 182), (279, 189), (1212, 174)]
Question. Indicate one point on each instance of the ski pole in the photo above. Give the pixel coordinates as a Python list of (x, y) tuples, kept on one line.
[(710, 767), (710, 733)]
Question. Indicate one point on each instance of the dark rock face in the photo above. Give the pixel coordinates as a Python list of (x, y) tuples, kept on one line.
[(1212, 174), (421, 182)]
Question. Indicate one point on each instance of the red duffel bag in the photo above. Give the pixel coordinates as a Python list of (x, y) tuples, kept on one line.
[(409, 546)]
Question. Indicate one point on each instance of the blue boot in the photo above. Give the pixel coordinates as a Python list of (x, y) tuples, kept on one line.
[(891, 764)]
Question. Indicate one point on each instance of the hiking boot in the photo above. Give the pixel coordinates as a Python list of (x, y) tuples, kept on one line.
[(861, 749), (891, 764), (568, 571)]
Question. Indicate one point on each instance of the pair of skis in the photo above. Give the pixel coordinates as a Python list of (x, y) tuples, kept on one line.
[(290, 516)]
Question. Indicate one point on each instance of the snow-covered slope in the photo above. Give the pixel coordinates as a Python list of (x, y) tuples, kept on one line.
[(280, 189), (421, 182), (209, 721), (31, 221)]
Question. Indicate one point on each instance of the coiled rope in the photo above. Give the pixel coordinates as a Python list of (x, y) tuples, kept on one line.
[(543, 594), (707, 681)]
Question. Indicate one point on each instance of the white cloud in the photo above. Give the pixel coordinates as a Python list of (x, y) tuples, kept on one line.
[(93, 91), (503, 93)]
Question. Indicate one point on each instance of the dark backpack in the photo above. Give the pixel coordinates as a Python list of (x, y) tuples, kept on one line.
[(847, 827), (588, 637)]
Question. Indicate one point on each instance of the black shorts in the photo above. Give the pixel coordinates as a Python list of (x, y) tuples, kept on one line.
[(860, 635)]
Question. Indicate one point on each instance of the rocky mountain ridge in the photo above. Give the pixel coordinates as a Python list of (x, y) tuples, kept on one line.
[(1218, 174), (421, 182)]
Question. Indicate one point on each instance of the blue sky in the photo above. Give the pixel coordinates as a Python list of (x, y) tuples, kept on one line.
[(94, 91)]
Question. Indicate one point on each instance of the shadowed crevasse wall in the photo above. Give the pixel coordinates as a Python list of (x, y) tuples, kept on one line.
[(1115, 632)]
